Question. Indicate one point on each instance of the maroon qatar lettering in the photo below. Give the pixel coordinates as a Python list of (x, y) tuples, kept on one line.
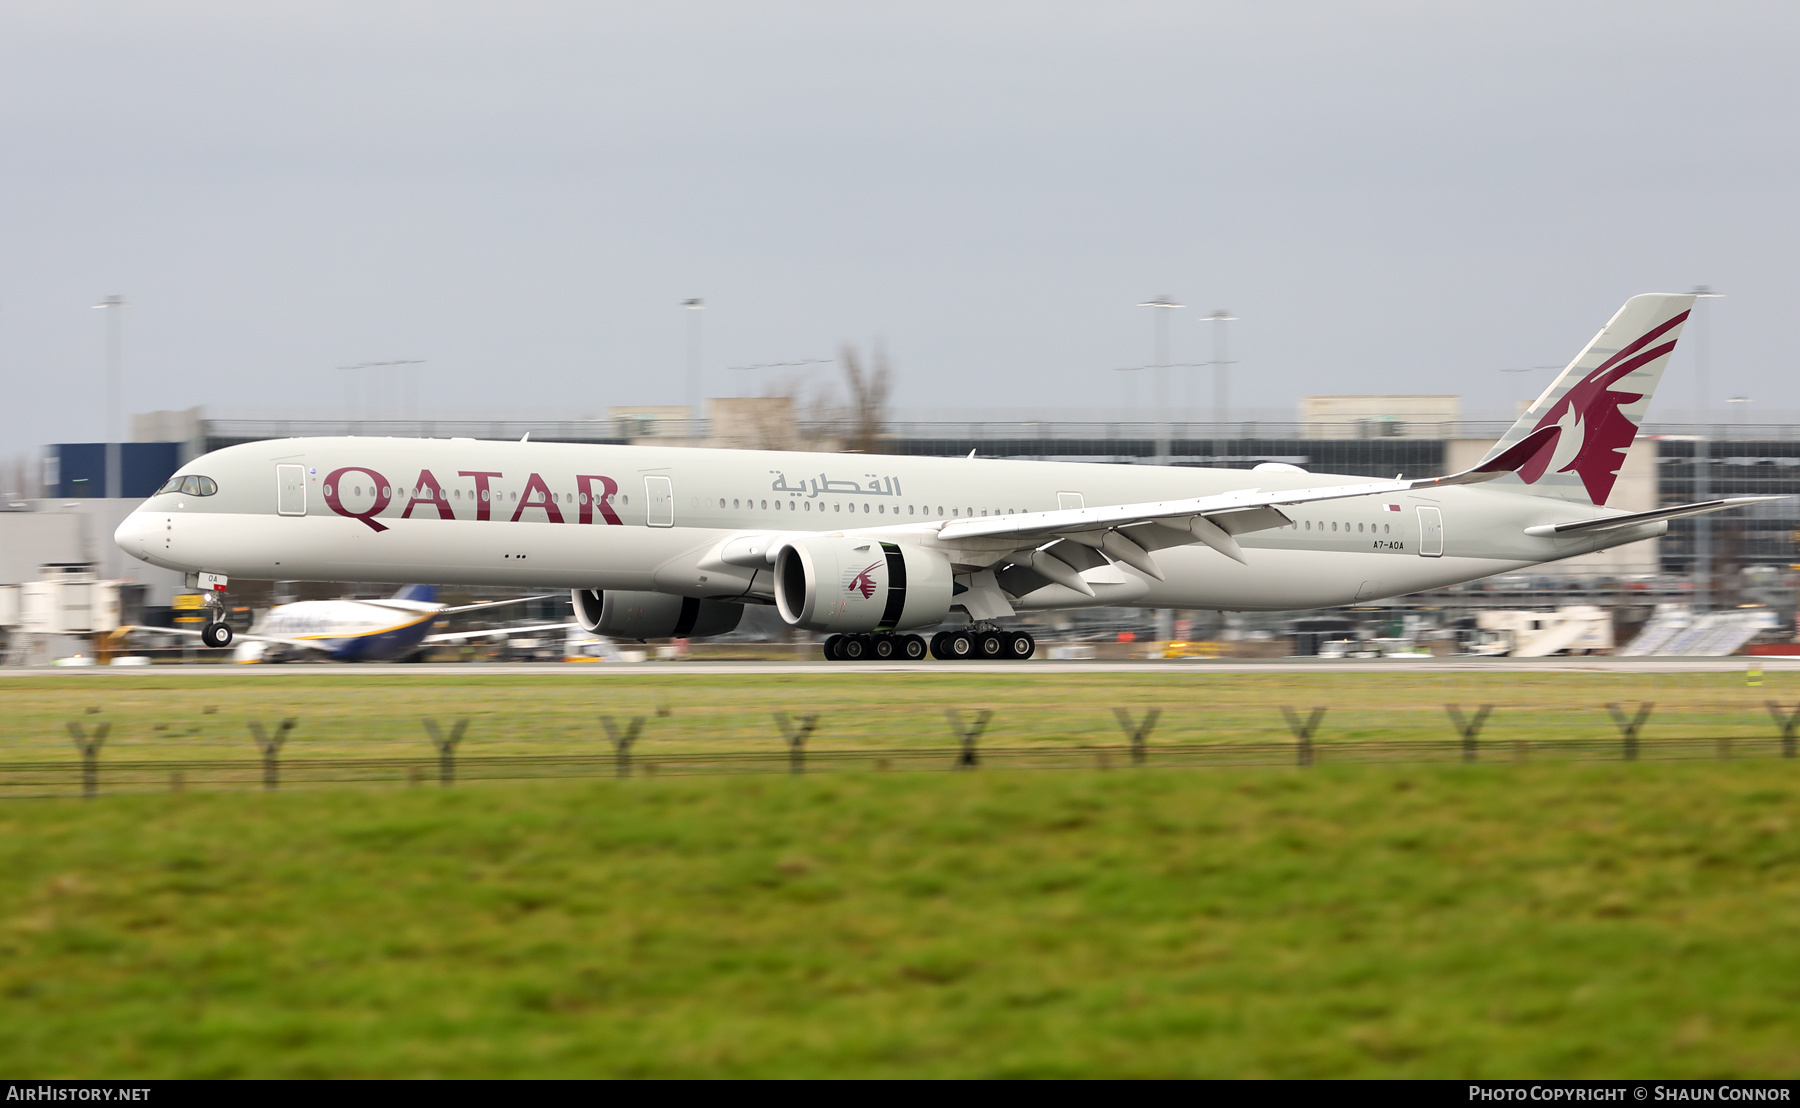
[(427, 493), (334, 491), (594, 493), (537, 495), (481, 489), (602, 499)]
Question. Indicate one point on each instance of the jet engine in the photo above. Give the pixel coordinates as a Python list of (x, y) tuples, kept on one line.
[(826, 583), (653, 615)]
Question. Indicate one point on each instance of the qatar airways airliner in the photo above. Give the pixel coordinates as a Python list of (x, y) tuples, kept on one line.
[(656, 542)]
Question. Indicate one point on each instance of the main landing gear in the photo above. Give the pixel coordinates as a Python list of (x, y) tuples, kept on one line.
[(977, 641), (874, 648), (983, 641)]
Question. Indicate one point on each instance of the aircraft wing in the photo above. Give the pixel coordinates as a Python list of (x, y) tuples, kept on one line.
[(1128, 532), (243, 636), (495, 632), (422, 607), (1607, 523)]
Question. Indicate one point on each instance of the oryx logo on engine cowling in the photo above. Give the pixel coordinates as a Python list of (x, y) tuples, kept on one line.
[(864, 582)]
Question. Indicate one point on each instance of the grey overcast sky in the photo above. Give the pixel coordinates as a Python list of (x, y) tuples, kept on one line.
[(1394, 197)]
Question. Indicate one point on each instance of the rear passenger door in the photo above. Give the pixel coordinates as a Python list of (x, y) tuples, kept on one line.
[(1431, 533)]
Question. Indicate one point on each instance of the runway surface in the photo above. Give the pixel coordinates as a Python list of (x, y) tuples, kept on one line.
[(1197, 669)]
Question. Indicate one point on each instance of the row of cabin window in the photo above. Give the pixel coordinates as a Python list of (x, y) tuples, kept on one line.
[(457, 494), (879, 509), (1386, 528)]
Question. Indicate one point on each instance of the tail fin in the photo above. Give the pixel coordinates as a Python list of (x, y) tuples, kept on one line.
[(1598, 403), (425, 594)]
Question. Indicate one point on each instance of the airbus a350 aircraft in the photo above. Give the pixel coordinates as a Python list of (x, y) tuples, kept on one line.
[(659, 542), (354, 630)]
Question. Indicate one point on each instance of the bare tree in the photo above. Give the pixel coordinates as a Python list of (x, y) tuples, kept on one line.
[(868, 395)]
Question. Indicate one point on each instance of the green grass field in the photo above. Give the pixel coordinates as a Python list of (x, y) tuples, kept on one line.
[(1442, 921), (1488, 920)]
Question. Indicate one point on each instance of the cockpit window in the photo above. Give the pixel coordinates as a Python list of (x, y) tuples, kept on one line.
[(190, 485)]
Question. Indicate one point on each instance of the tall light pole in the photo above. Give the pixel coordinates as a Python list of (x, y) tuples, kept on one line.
[(1130, 382), (349, 372), (115, 476), (1702, 456), (1221, 364), (695, 306), (1162, 305)]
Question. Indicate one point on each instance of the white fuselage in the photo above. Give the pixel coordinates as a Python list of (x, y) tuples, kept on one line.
[(655, 519)]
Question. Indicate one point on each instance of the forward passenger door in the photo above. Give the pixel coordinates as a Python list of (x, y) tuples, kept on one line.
[(290, 490)]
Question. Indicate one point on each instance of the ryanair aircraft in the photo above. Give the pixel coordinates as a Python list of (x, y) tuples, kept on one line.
[(657, 542), (387, 630)]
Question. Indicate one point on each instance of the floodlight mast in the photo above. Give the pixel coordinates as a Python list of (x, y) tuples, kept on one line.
[(696, 306), (1164, 304), (115, 475), (1221, 364), (1702, 455), (406, 387)]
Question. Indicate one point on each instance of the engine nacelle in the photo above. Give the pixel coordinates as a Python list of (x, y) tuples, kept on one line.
[(852, 584), (653, 615)]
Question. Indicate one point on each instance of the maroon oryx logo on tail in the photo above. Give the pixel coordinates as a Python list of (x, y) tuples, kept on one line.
[(1588, 416), (863, 582)]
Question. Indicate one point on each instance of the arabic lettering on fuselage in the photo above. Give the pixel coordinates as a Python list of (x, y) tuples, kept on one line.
[(811, 487)]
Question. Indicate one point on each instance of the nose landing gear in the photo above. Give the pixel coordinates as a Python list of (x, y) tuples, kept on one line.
[(216, 633)]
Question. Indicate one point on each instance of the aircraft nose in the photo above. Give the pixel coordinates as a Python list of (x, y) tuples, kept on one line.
[(133, 535)]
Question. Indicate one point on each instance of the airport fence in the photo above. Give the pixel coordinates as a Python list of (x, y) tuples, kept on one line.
[(88, 774)]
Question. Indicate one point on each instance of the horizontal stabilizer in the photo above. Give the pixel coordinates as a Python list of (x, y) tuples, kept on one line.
[(1608, 523)]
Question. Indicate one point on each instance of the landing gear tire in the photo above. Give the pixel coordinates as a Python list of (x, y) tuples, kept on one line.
[(1019, 645), (991, 645), (913, 647), (884, 648), (216, 635), (958, 646), (834, 646), (853, 648), (937, 645)]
